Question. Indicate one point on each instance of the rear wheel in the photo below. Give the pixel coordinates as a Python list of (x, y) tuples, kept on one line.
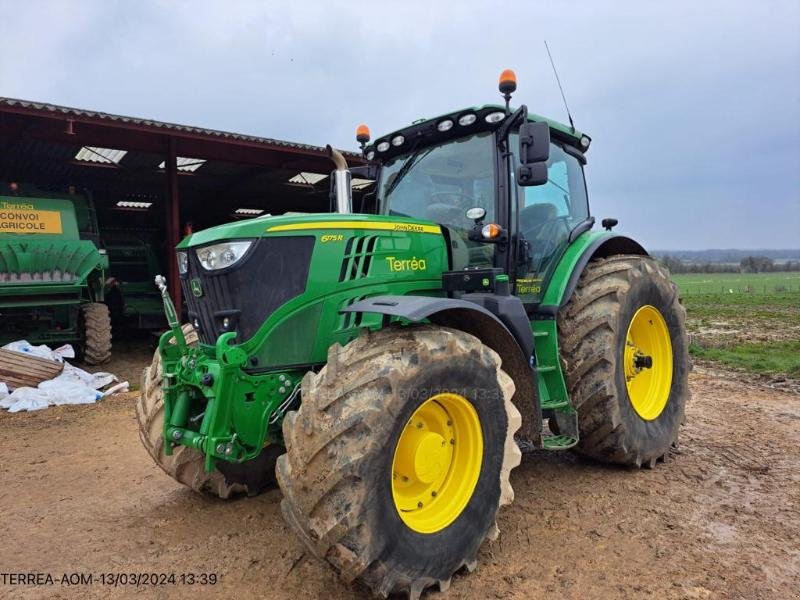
[(624, 347), (95, 328), (399, 457)]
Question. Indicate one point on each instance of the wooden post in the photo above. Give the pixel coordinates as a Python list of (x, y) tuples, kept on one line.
[(173, 225)]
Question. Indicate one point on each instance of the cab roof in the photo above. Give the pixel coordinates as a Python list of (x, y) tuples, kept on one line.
[(559, 131)]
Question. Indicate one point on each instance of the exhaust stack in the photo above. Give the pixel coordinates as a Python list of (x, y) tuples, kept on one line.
[(341, 182)]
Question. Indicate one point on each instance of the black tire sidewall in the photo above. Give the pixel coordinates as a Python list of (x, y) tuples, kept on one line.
[(652, 438), (439, 554)]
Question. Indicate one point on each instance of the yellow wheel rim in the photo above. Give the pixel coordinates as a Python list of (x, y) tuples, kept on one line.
[(437, 462), (648, 362)]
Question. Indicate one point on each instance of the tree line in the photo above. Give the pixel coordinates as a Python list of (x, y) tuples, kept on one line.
[(748, 264)]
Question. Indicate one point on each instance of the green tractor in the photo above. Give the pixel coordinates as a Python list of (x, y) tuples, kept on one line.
[(391, 367), (52, 272)]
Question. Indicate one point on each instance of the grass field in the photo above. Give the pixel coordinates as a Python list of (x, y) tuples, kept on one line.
[(746, 321), (755, 283)]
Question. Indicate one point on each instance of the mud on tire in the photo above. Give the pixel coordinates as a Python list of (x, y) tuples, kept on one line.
[(592, 336), (185, 465), (95, 326), (336, 475)]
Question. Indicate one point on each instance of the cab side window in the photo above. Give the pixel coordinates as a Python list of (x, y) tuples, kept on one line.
[(547, 215)]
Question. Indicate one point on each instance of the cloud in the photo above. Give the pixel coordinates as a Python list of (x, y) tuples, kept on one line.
[(694, 108)]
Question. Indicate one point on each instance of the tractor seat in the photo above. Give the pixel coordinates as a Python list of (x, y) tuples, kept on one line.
[(533, 216)]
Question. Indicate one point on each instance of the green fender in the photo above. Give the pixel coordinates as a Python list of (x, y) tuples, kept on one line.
[(588, 245)]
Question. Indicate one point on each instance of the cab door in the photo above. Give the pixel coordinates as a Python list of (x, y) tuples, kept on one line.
[(543, 218)]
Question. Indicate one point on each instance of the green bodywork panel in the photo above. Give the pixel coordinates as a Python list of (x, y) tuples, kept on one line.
[(46, 269)]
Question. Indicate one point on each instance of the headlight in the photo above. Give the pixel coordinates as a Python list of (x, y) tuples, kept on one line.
[(445, 125), (467, 119), (220, 256), (383, 146), (495, 117), (398, 140), (183, 263)]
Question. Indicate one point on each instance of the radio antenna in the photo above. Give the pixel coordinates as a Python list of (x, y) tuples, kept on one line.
[(558, 81)]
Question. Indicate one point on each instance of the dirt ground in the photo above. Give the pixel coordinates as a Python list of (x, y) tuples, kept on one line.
[(132, 351), (721, 519)]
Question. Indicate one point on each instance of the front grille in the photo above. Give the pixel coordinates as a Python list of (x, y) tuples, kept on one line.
[(274, 271)]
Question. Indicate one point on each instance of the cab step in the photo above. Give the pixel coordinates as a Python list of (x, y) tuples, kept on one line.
[(552, 404), (558, 442)]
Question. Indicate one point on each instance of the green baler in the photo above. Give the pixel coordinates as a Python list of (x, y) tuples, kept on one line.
[(390, 368), (52, 274)]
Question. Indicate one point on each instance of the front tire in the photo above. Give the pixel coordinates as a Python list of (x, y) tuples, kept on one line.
[(624, 350), (367, 474)]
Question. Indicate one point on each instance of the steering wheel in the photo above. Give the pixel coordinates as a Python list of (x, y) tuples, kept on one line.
[(533, 233), (445, 211)]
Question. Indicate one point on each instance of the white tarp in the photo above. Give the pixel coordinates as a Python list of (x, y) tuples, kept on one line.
[(72, 386)]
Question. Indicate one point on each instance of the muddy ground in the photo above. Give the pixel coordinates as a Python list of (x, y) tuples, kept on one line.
[(721, 519), (132, 351)]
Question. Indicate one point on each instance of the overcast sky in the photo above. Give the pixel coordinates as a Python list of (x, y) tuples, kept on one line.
[(693, 107)]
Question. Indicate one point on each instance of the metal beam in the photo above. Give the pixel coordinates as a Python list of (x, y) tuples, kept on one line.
[(173, 224)]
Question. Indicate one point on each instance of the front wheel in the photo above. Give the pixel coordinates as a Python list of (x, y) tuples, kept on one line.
[(399, 457), (624, 348)]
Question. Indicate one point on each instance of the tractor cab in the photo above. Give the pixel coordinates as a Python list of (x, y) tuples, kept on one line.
[(461, 171)]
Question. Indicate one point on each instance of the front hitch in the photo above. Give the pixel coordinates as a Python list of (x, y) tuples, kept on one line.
[(211, 403)]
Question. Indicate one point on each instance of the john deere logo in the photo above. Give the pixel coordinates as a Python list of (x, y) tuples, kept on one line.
[(197, 289)]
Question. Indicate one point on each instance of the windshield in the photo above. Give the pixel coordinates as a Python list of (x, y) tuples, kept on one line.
[(439, 184)]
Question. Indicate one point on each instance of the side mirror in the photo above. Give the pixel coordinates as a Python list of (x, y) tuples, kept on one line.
[(534, 150)]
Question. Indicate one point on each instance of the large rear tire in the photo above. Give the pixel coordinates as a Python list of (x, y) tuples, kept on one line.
[(624, 350), (185, 465), (371, 482), (95, 326)]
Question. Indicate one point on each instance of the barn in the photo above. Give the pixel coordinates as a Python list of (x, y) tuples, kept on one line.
[(156, 180)]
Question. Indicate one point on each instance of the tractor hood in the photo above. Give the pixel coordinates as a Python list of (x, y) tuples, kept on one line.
[(295, 271), (307, 224)]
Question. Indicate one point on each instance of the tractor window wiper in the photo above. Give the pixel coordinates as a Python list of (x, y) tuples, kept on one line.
[(403, 170)]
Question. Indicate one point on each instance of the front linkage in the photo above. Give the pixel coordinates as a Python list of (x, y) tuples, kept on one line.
[(211, 403)]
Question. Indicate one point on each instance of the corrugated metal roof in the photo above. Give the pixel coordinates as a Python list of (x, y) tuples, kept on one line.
[(100, 155), (187, 165), (305, 178), (68, 111)]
